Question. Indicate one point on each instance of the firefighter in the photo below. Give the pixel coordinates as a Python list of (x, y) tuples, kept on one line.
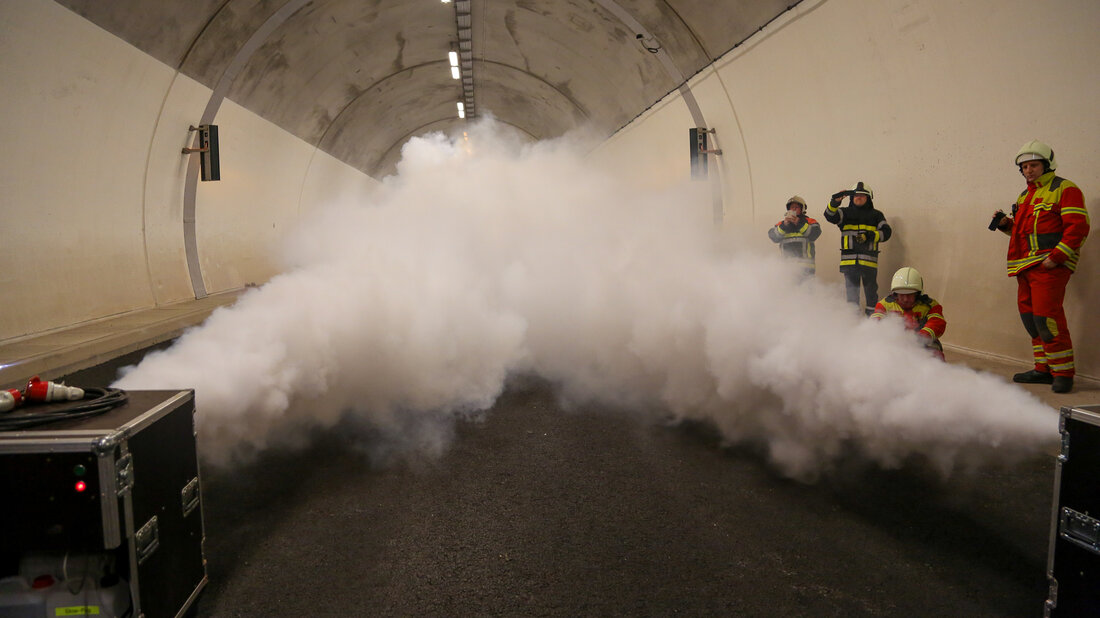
[(920, 313), (796, 234), (1046, 229), (862, 228)]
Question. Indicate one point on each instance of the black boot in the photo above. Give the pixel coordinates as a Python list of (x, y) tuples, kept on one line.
[(1062, 384), (1033, 377)]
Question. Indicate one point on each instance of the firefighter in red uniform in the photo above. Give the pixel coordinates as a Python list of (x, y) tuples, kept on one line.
[(796, 234), (921, 313), (1047, 227)]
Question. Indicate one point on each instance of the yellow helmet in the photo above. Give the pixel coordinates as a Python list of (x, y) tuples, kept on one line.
[(861, 188), (795, 199), (907, 280), (1036, 151)]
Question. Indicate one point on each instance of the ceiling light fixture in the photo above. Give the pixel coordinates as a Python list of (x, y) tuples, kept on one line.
[(461, 110), (465, 54)]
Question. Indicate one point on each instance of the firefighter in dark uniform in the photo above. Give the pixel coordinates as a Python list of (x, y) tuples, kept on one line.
[(796, 234), (862, 228), (1047, 227), (918, 311)]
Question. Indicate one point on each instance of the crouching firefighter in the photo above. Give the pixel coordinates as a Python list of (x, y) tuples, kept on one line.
[(796, 234), (920, 313), (862, 228), (1046, 229)]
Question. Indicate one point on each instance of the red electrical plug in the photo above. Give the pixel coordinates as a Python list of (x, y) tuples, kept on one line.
[(10, 399), (37, 390)]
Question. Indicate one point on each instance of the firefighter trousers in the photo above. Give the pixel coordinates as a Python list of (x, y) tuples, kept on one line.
[(861, 273), (1039, 296)]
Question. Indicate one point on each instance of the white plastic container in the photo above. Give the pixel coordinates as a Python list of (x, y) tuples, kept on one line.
[(89, 599), (19, 600)]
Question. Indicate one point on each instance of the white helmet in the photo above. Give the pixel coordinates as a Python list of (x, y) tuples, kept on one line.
[(795, 199), (907, 280), (861, 188), (1036, 151)]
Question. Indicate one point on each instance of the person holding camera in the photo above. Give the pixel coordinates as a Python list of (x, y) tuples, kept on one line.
[(918, 311), (862, 228), (796, 234), (1046, 229)]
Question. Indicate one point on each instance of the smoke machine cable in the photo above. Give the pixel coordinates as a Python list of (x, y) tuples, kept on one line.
[(96, 401)]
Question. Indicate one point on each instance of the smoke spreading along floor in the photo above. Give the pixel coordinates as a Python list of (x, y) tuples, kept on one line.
[(484, 258)]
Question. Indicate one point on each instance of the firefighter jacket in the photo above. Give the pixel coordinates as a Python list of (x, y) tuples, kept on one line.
[(926, 316), (1048, 219), (856, 222), (796, 240)]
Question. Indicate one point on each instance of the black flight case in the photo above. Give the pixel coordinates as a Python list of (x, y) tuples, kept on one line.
[(123, 487), (1073, 562)]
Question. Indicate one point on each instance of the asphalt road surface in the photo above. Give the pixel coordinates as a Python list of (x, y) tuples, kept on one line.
[(536, 511)]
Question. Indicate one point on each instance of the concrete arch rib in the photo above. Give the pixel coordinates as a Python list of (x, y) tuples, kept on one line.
[(363, 133), (381, 84), (565, 95), (666, 60), (190, 238)]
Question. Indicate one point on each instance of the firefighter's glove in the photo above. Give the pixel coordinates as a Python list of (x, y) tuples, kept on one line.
[(838, 197)]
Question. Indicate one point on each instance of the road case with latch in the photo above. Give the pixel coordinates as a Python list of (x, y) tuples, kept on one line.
[(1073, 562), (106, 503)]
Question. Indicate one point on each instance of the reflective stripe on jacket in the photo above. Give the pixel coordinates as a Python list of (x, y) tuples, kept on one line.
[(1049, 219), (926, 316), (852, 221), (797, 241)]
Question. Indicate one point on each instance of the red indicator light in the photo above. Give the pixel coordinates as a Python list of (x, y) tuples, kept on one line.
[(80, 486)]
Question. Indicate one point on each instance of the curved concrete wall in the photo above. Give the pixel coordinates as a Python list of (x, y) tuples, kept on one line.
[(928, 103), (93, 178)]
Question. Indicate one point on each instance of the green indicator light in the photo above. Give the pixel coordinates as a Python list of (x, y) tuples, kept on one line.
[(79, 470)]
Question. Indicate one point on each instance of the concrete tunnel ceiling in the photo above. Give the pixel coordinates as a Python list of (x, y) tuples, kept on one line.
[(358, 78)]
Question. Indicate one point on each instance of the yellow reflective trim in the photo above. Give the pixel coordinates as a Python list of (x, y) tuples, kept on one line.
[(77, 610), (1052, 326), (1062, 367), (1064, 248), (1062, 354), (1015, 266), (1027, 260)]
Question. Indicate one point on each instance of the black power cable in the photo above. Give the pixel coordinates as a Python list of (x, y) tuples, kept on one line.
[(96, 401)]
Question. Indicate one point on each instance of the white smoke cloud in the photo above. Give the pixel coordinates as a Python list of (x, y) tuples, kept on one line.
[(487, 258)]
